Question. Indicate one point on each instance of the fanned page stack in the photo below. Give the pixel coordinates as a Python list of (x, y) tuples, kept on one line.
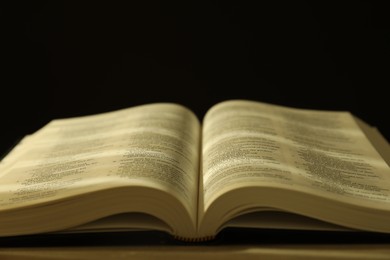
[(156, 167)]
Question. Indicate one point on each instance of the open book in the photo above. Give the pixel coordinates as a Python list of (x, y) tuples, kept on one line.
[(156, 167)]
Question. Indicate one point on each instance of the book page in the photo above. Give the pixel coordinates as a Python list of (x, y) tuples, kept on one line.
[(152, 145), (249, 144), (376, 138)]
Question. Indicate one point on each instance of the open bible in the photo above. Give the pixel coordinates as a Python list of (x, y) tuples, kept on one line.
[(156, 167)]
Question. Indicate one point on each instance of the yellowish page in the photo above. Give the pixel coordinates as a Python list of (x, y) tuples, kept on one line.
[(249, 144), (152, 145)]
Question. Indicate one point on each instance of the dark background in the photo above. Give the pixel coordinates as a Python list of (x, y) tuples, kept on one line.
[(63, 59)]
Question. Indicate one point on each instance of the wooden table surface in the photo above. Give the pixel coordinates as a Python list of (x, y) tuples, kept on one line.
[(362, 251)]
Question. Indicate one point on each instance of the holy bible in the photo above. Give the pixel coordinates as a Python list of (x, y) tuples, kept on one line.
[(157, 167)]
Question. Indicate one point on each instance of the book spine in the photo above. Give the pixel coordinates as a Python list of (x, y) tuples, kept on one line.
[(194, 239)]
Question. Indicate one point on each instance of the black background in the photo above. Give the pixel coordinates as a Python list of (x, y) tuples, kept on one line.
[(63, 59)]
